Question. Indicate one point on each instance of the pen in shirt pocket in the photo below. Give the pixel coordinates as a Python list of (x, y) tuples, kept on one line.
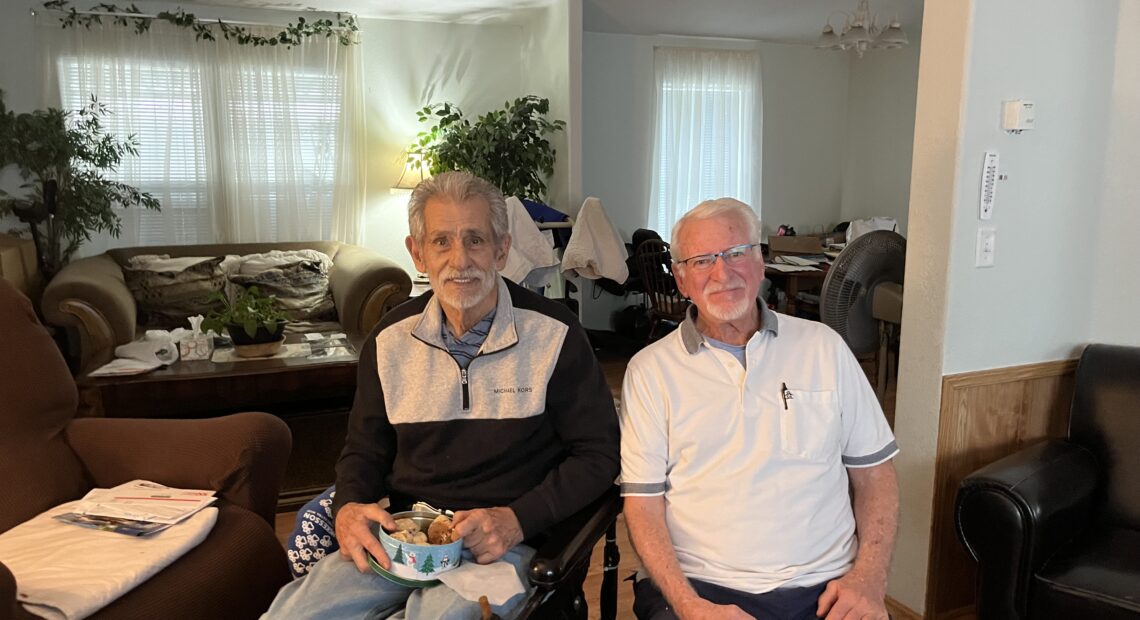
[(785, 394)]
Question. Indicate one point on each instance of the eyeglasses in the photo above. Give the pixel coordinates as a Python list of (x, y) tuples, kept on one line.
[(732, 256)]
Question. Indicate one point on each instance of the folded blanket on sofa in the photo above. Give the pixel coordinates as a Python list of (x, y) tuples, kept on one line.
[(68, 572)]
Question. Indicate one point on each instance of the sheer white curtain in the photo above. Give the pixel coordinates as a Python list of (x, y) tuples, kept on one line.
[(239, 143), (707, 131)]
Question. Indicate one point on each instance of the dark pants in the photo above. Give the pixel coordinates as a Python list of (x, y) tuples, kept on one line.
[(782, 604)]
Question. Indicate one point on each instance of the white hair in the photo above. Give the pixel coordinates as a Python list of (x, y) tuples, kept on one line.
[(715, 208)]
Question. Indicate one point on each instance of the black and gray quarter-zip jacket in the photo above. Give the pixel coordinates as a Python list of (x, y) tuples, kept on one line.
[(530, 424)]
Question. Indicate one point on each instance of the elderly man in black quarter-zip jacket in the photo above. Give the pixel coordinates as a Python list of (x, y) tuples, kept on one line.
[(481, 397)]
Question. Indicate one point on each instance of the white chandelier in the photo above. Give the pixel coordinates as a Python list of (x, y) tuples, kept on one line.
[(861, 32)]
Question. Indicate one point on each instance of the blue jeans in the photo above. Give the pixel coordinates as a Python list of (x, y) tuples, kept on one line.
[(335, 589)]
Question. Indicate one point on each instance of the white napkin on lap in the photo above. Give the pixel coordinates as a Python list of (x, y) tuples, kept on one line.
[(69, 572), (498, 581)]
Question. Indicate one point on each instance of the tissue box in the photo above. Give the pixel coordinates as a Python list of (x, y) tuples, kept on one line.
[(196, 347)]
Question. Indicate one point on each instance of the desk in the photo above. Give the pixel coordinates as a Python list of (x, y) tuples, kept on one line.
[(792, 282)]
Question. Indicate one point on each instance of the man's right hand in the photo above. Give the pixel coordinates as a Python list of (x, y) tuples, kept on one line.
[(354, 532), (699, 609)]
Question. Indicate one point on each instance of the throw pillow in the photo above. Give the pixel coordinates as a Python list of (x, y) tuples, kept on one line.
[(298, 279), (167, 290)]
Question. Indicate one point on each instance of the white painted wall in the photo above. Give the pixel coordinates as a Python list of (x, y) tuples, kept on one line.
[(1062, 195), (880, 134), (408, 65), (805, 121), (547, 68), (804, 98), (1115, 302), (1034, 304)]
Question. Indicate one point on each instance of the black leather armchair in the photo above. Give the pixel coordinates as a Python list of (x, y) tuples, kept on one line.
[(560, 564), (1055, 528)]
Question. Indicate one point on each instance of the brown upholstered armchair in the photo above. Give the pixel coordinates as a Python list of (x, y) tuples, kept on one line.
[(90, 297), (47, 458)]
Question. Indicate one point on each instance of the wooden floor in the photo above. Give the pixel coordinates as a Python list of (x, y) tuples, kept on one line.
[(613, 366)]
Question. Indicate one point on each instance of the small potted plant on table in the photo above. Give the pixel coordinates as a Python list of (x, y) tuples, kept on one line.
[(254, 321)]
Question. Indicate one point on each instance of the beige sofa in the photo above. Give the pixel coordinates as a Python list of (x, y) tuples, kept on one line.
[(90, 298)]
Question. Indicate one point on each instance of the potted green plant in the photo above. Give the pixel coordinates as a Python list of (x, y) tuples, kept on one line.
[(63, 157), (508, 147), (253, 320)]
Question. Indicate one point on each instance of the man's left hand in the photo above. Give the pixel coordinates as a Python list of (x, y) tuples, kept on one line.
[(853, 596), (488, 532)]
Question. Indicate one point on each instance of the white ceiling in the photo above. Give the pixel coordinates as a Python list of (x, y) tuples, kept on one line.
[(789, 21)]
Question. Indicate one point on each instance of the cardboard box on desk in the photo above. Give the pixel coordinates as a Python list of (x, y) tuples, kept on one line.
[(18, 264), (795, 244)]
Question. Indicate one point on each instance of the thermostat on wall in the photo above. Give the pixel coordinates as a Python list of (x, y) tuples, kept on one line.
[(1017, 116)]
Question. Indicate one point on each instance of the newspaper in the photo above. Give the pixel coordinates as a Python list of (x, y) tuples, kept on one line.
[(137, 508)]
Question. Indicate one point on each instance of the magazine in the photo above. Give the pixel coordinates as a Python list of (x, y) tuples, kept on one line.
[(129, 527)]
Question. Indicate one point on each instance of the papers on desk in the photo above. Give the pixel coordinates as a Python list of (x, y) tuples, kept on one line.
[(791, 268), (802, 261), (788, 264)]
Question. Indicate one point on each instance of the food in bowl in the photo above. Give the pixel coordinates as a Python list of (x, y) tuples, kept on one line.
[(421, 547)]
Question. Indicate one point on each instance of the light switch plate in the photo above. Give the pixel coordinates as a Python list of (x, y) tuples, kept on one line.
[(984, 256)]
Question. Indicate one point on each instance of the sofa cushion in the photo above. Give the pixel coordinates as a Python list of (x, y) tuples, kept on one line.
[(1094, 576), (167, 290), (298, 279)]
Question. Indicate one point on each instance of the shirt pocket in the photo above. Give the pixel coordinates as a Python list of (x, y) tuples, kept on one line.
[(809, 426)]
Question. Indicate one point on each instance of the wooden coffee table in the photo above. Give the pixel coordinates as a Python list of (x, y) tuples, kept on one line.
[(312, 396)]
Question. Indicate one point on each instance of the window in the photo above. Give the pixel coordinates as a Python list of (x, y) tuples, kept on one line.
[(707, 131), (239, 144)]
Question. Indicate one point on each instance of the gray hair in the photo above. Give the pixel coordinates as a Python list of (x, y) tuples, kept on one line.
[(715, 208), (457, 187)]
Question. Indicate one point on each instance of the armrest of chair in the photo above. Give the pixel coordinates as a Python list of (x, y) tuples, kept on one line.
[(1013, 514), (91, 296), (570, 542), (242, 456), (364, 286)]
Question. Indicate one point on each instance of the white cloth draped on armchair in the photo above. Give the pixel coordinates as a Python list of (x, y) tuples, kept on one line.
[(239, 143)]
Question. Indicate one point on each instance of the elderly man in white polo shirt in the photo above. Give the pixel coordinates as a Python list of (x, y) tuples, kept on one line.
[(742, 433)]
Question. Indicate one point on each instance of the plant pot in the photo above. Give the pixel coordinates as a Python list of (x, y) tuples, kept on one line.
[(262, 344)]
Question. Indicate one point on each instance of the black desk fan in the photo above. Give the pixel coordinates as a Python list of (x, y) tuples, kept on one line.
[(862, 295)]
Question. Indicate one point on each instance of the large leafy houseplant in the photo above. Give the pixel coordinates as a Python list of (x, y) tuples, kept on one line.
[(63, 157), (508, 147)]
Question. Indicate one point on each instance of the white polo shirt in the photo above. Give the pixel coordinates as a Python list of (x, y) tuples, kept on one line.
[(756, 492)]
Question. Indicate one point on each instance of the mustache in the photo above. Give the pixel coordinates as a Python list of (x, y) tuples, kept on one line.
[(715, 287), (461, 274)]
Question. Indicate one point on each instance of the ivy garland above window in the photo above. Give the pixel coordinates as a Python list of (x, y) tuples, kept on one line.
[(293, 34)]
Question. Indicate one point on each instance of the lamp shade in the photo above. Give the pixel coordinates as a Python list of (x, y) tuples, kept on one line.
[(856, 35), (892, 37), (828, 40), (414, 172)]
